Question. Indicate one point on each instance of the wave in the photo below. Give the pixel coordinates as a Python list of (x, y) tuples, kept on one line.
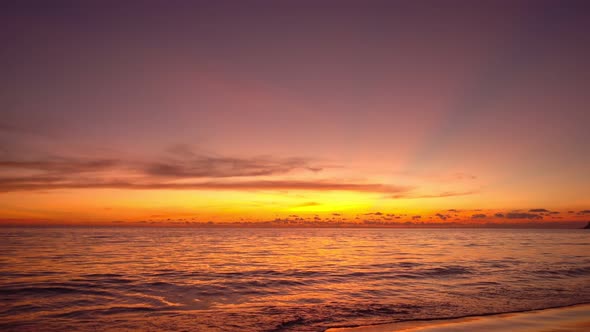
[(582, 307), (48, 290), (102, 312), (565, 272)]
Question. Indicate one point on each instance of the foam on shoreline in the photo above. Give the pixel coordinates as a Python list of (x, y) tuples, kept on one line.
[(567, 319)]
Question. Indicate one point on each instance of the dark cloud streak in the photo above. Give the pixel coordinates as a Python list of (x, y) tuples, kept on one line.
[(187, 171), (51, 183), (220, 167), (539, 210), (61, 165), (522, 215)]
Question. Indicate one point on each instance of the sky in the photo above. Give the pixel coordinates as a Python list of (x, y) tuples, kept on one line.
[(294, 111)]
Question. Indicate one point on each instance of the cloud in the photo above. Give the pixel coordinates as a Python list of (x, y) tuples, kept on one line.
[(442, 216), (539, 210), (61, 165), (220, 167), (499, 215), (438, 177), (584, 212), (479, 216), (374, 214), (522, 215), (49, 183), (190, 167), (191, 172)]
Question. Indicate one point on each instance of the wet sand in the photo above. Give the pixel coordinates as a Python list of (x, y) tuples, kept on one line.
[(567, 319)]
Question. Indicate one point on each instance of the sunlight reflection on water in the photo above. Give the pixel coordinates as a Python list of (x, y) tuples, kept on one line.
[(279, 279)]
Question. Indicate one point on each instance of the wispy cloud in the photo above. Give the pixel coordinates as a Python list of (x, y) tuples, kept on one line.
[(61, 165), (192, 167), (192, 173), (219, 167), (539, 210), (522, 215), (42, 183)]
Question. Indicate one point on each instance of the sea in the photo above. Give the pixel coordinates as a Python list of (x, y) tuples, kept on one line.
[(281, 279)]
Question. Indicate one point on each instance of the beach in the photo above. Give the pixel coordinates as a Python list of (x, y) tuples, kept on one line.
[(566, 319)]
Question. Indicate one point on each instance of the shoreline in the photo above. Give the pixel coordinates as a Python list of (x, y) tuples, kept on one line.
[(573, 318)]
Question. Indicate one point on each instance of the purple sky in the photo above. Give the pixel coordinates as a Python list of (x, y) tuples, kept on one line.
[(413, 94)]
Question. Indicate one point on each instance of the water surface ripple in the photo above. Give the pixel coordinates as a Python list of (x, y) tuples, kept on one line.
[(174, 279)]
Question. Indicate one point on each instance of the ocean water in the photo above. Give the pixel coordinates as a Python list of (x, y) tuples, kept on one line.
[(199, 279)]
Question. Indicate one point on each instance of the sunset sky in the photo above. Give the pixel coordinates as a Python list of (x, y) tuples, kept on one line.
[(224, 111)]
